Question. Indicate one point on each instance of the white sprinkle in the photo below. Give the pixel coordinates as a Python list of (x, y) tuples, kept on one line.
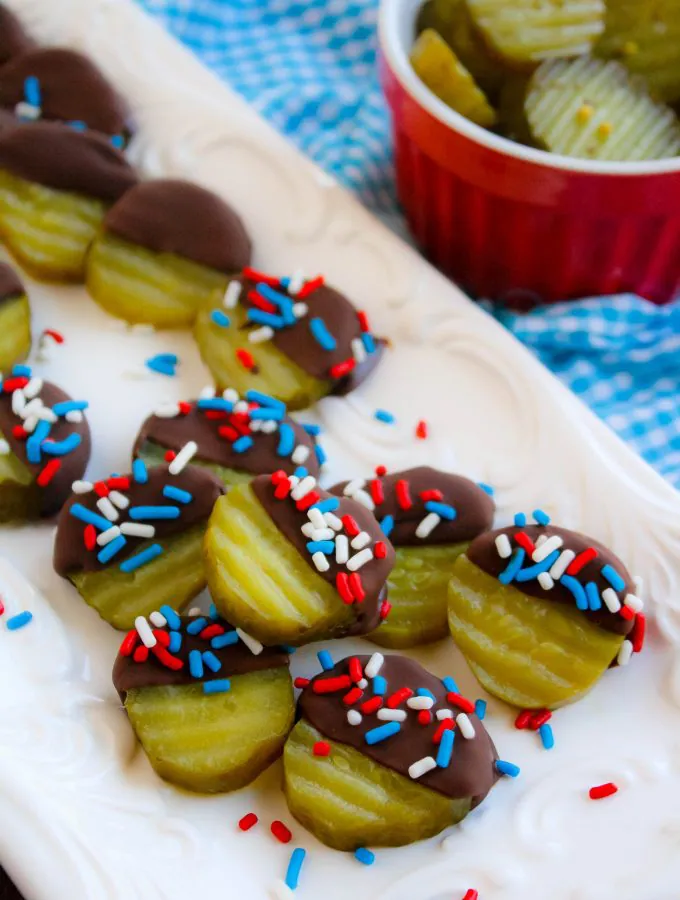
[(183, 457), (293, 480), (138, 529), (465, 726), (418, 769), (107, 536), (25, 110), (362, 684), (256, 424), (365, 499), (232, 294), (300, 310), (633, 602), (361, 540), (4, 447), (332, 520), (559, 567), (545, 581), (503, 546), (158, 619), (280, 891), (625, 653), (541, 539), (33, 388), (44, 413), (300, 490), (420, 702), (30, 423), (106, 508), (427, 525), (374, 665), (354, 717), (554, 542), (315, 516), (296, 283), (639, 583), (206, 393), (392, 715), (354, 563), (81, 487), (74, 416), (268, 426), (251, 643), (260, 335), (442, 714), (358, 350), (195, 611), (611, 600), (353, 486), (118, 499), (317, 534), (231, 395), (167, 411), (145, 633), (32, 408), (18, 402), (241, 406), (320, 561), (300, 454)]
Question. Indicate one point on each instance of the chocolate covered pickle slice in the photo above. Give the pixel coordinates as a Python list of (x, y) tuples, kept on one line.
[(294, 339), (430, 517), (15, 319), (235, 438), (44, 445), (210, 706), (540, 613), (132, 543), (166, 248), (290, 563), (56, 184), (384, 754)]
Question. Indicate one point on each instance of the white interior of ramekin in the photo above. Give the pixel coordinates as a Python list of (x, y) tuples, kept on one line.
[(396, 30)]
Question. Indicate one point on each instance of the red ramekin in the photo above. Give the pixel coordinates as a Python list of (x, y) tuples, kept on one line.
[(512, 223)]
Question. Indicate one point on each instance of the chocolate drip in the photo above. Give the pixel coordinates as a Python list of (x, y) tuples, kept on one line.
[(472, 771), (13, 38), (483, 553), (10, 283)]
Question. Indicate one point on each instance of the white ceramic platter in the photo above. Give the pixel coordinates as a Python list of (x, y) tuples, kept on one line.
[(82, 817)]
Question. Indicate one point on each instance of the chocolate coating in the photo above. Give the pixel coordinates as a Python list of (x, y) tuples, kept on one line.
[(474, 507), (71, 89), (13, 38), (70, 553), (288, 519), (236, 659), (62, 158), (10, 283), (181, 218), (261, 458), (483, 553), (472, 772), (73, 464)]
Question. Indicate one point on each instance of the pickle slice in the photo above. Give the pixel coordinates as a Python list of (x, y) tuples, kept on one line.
[(347, 800), (273, 373), (48, 231), (593, 109), (139, 285), (154, 455), (15, 331), (219, 742), (439, 68), (646, 38), (529, 652), (175, 577), (417, 590), (19, 493), (524, 32), (260, 583)]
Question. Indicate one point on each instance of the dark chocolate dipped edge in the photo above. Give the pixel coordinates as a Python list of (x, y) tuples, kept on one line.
[(471, 771), (403, 500), (199, 489), (13, 38), (285, 514), (181, 218), (72, 463), (11, 285)]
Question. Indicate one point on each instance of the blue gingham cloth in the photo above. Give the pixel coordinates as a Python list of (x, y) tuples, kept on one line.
[(309, 67)]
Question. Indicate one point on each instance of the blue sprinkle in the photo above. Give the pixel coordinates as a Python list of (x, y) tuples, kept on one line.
[(613, 577), (322, 335), (441, 509), (197, 625), (77, 125), (152, 513), (540, 517), (111, 549), (211, 661), (289, 650), (450, 685), (61, 448), (382, 415), (219, 317), (320, 453), (546, 735), (213, 612), (387, 524), (368, 341), (507, 768), (382, 732), (365, 856), (379, 685), (286, 440), (486, 488), (175, 644), (480, 709), (195, 664), (175, 493), (260, 317), (218, 403), (593, 595), (297, 857), (117, 141), (513, 567), (265, 400), (423, 692), (34, 443), (86, 515), (139, 472), (32, 90), (66, 406), (301, 472), (520, 520), (19, 621), (310, 428), (224, 640), (283, 301), (325, 660), (534, 571), (141, 559), (445, 749), (575, 588), (163, 363), (327, 547), (268, 414), (242, 444), (171, 617), (219, 686), (20, 371), (328, 505), (167, 358)]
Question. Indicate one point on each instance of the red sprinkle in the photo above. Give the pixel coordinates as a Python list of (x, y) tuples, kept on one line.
[(539, 718), (627, 613), (169, 455), (637, 635), (353, 696), (331, 685), (211, 631), (343, 588), (372, 705), (581, 560), (255, 275), (399, 697), (363, 320), (403, 494), (278, 476), (167, 659), (522, 720), (245, 358), (48, 473), (421, 430), (215, 415), (118, 483), (90, 537), (381, 471), (19, 432), (525, 542), (321, 748), (342, 368), (377, 492), (308, 500), (141, 654), (461, 702), (184, 407), (385, 608), (445, 725), (433, 494), (301, 682), (424, 717), (260, 302), (101, 489), (310, 287), (129, 643), (602, 790), (356, 587), (351, 526), (56, 335), (281, 832), (282, 490), (228, 432), (247, 822), (471, 894), (2, 607), (14, 384), (356, 672), (380, 550), (162, 637)]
